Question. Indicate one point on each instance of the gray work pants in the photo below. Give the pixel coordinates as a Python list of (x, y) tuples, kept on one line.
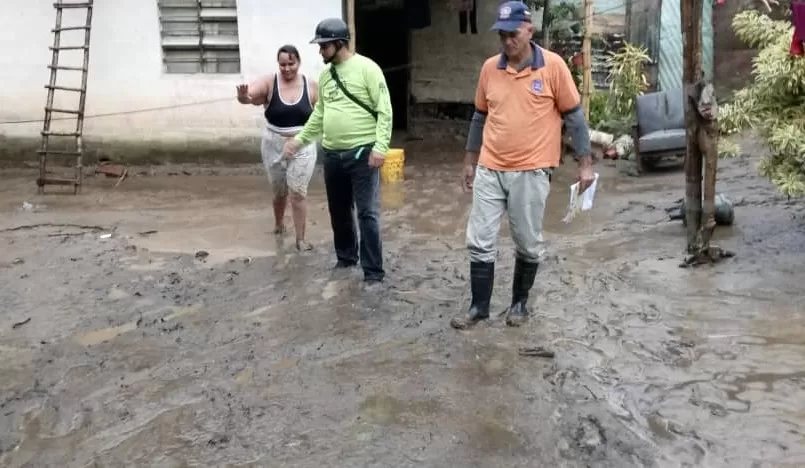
[(523, 194)]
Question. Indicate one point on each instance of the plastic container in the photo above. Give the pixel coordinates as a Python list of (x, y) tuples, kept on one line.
[(393, 170)]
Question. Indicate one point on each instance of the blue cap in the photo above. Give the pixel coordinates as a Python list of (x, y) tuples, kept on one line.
[(511, 15)]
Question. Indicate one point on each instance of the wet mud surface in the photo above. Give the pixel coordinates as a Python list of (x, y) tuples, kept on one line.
[(123, 347)]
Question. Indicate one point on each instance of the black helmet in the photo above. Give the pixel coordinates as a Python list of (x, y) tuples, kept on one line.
[(331, 30)]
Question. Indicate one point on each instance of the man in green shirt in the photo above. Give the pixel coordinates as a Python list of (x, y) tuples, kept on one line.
[(353, 117)]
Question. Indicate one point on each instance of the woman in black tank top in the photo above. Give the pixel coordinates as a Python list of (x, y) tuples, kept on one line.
[(288, 98)]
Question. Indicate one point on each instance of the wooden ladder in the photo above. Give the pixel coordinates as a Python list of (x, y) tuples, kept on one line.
[(77, 150)]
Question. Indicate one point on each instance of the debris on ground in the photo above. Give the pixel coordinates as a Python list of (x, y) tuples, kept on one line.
[(29, 227), (31, 208), (283, 360), (111, 170), (621, 148), (536, 351), (19, 324), (708, 256), (122, 178), (724, 213)]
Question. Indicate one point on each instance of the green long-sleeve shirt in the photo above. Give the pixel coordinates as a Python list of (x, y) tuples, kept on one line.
[(340, 122)]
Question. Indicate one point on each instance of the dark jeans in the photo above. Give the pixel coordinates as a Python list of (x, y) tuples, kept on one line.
[(351, 182)]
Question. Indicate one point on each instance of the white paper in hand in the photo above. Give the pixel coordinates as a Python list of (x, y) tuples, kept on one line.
[(580, 203)]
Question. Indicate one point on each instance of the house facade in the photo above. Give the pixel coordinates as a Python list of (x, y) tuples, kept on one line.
[(153, 77), (149, 75)]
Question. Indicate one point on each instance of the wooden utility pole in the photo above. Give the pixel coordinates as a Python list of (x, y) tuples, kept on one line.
[(691, 11), (546, 24), (351, 23), (702, 137), (586, 50), (706, 106)]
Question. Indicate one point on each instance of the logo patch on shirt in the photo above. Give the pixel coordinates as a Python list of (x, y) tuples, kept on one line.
[(536, 86)]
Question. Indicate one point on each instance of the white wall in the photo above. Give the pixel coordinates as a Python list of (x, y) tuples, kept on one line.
[(126, 67)]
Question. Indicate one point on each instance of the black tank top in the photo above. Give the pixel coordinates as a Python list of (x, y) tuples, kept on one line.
[(288, 116)]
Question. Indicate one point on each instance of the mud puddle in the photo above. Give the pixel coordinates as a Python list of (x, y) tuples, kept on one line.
[(139, 352)]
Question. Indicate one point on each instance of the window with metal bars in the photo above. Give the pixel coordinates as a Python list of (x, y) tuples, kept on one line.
[(199, 36)]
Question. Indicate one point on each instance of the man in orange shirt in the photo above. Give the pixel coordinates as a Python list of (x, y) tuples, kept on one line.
[(524, 95)]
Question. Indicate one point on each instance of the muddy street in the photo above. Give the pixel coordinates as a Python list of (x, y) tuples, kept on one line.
[(122, 345)]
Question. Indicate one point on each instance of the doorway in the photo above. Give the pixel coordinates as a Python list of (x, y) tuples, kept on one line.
[(381, 33)]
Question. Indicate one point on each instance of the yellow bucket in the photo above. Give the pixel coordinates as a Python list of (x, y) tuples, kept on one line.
[(392, 196), (393, 169)]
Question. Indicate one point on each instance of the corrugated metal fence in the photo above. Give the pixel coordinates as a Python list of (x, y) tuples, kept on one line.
[(670, 57), (643, 29)]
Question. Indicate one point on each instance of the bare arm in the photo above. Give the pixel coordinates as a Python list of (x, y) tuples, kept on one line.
[(260, 90)]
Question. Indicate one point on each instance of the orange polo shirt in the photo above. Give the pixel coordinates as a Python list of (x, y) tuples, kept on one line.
[(523, 129)]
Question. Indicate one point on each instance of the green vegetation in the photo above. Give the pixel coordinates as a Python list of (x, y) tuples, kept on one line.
[(774, 103)]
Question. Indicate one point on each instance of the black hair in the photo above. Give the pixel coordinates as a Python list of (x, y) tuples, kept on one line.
[(290, 50)]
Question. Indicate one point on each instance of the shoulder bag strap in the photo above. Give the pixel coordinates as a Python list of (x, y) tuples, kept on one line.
[(351, 96)]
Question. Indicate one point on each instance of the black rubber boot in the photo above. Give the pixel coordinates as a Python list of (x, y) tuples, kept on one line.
[(482, 278), (524, 274)]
